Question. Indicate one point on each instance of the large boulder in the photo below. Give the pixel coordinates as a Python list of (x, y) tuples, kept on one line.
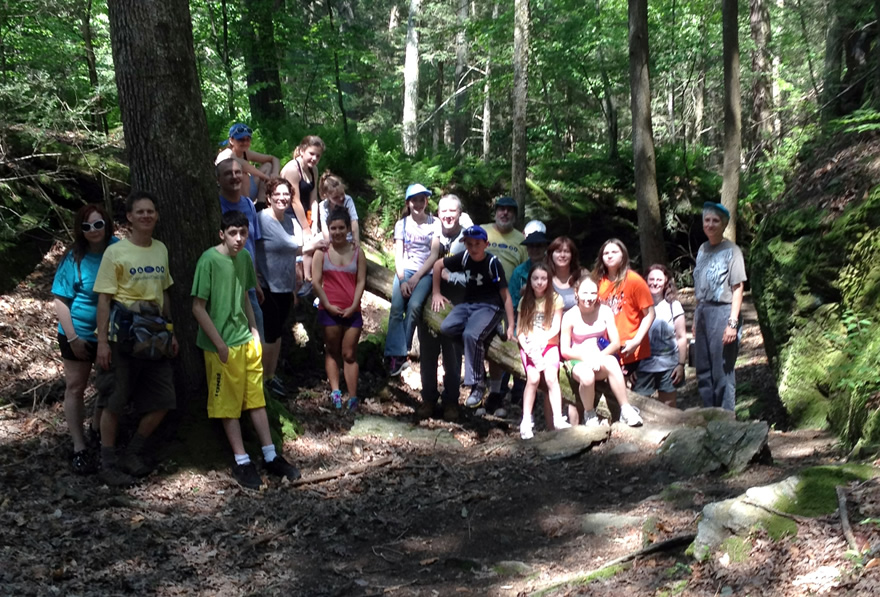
[(815, 273), (720, 446)]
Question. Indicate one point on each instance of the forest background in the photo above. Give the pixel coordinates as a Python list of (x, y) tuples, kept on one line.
[(547, 101)]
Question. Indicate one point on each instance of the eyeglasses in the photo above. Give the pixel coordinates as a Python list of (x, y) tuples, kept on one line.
[(96, 225)]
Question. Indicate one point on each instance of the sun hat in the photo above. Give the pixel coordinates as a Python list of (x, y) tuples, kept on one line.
[(240, 131), (417, 189)]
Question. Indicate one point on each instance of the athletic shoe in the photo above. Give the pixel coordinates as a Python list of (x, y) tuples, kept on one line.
[(500, 412), (425, 411), (336, 399), (135, 465), (561, 423), (480, 412), (396, 365), (475, 400), (526, 430), (494, 401), (629, 415), (281, 468), (352, 404), (276, 386), (247, 476), (83, 463), (305, 289), (591, 419), (115, 478)]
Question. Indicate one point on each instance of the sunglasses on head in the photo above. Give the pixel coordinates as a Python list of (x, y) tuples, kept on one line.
[(96, 225)]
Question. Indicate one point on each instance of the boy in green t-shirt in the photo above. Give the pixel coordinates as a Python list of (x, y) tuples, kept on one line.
[(233, 356)]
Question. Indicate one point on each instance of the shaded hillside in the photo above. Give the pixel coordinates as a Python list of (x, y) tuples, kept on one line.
[(815, 269)]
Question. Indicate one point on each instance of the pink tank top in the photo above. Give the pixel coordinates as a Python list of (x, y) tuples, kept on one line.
[(582, 332), (339, 282)]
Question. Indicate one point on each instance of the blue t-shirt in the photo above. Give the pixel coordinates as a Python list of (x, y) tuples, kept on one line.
[(246, 206), (74, 285)]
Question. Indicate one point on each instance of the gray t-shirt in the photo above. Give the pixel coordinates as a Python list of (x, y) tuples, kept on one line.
[(718, 270), (664, 347), (276, 252), (324, 208)]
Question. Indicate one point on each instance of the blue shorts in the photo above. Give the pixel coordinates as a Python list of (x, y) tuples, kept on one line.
[(327, 320)]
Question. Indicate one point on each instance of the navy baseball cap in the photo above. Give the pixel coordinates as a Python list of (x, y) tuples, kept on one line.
[(506, 202), (475, 232), (536, 238)]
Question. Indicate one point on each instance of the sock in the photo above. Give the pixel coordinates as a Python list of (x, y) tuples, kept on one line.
[(269, 453), (136, 445), (108, 457), (241, 459), (589, 414), (495, 386)]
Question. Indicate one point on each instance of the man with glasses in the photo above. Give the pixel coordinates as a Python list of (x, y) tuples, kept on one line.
[(238, 146)]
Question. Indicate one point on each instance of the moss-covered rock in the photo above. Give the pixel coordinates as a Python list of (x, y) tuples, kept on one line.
[(815, 274)]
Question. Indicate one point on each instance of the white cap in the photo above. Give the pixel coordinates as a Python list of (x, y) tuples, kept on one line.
[(534, 226)]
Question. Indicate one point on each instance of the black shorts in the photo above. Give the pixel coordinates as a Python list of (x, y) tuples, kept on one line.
[(276, 307), (67, 351)]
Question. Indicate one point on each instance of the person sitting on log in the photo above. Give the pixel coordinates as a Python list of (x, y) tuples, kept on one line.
[(589, 342), (239, 147), (480, 311)]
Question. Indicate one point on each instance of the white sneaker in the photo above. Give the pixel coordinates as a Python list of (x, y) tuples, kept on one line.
[(591, 419), (561, 423), (525, 430), (629, 415)]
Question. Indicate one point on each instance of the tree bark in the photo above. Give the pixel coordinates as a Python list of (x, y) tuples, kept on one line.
[(487, 97), (761, 129), (437, 135), (732, 114), (170, 154), (411, 81), (99, 117), (261, 60), (460, 122), (519, 153), (647, 199), (833, 69)]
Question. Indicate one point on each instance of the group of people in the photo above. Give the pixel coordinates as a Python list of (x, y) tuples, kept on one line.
[(302, 237)]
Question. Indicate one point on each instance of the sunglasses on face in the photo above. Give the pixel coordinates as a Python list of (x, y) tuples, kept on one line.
[(96, 225)]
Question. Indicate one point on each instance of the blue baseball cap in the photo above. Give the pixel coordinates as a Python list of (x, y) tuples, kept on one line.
[(240, 131), (417, 189), (475, 232), (718, 208), (506, 202)]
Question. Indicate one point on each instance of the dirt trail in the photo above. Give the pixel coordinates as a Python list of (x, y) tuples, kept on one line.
[(483, 515)]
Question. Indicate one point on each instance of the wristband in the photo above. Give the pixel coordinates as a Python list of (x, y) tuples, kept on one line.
[(75, 337)]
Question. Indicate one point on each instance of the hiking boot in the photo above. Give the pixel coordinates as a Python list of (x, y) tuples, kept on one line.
[(281, 468), (526, 430), (396, 365), (494, 401), (450, 413), (247, 476), (113, 477), (135, 465), (276, 386), (425, 411), (629, 415), (83, 463), (475, 400)]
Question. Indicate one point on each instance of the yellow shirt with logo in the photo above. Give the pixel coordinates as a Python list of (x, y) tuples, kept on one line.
[(507, 248), (131, 273)]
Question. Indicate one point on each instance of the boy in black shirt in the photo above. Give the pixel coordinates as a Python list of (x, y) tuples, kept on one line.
[(479, 312)]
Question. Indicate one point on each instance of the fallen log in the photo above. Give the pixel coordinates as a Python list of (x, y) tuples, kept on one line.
[(380, 281)]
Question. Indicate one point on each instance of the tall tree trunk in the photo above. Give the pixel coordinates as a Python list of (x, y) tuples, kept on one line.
[(699, 136), (99, 118), (411, 81), (519, 154), (876, 98), (670, 82), (437, 134), (170, 154), (338, 77), (221, 43), (461, 121), (261, 60), (732, 113), (833, 69), (761, 129), (647, 199), (609, 102), (487, 96)]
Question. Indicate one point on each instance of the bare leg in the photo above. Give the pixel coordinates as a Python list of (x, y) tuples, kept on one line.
[(586, 378), (149, 422), (271, 352), (109, 425), (349, 357), (611, 370), (554, 393), (76, 376), (333, 354), (261, 424), (233, 433), (531, 389)]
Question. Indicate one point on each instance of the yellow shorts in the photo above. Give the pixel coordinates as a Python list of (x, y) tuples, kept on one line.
[(236, 385)]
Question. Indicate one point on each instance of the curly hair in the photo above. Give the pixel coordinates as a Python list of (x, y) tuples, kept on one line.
[(275, 182)]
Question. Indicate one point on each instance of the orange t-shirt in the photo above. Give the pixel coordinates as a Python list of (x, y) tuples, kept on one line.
[(627, 304)]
